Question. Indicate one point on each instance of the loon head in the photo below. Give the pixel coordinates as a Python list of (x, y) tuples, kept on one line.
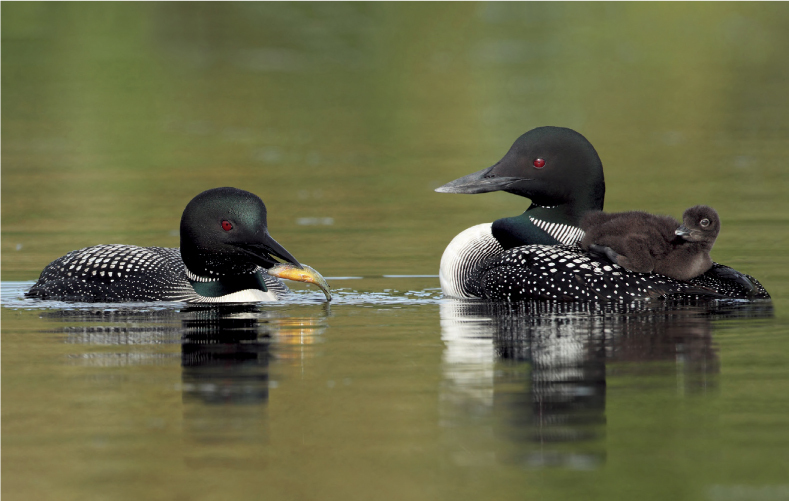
[(552, 166), (700, 224), (224, 232)]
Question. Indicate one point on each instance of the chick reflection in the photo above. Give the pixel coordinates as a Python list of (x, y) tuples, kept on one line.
[(526, 382)]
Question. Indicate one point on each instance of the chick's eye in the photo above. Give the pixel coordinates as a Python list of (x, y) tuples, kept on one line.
[(704, 222), (227, 225), (539, 163)]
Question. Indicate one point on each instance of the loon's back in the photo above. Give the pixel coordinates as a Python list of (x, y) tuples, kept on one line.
[(567, 273), (125, 273)]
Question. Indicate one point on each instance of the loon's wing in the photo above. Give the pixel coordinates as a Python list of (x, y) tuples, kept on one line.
[(112, 273), (731, 283)]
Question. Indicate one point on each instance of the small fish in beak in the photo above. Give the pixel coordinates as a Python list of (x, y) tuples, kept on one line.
[(304, 274)]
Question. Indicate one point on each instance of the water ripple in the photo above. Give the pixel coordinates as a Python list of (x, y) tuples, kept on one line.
[(12, 296)]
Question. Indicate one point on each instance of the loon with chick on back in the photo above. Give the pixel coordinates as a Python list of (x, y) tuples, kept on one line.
[(226, 256), (639, 241), (536, 255)]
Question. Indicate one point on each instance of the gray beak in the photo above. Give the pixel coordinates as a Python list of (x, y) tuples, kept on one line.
[(478, 182)]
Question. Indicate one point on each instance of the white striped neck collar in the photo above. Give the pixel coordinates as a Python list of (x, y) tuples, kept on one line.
[(564, 233), (197, 278)]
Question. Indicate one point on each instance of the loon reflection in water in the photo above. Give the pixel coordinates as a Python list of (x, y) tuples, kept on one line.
[(536, 374), (224, 348), (538, 370), (225, 356)]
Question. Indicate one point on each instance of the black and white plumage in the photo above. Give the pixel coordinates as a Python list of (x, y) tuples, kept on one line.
[(472, 247), (563, 233), (465, 253), (124, 273), (567, 273), (535, 255), (224, 257)]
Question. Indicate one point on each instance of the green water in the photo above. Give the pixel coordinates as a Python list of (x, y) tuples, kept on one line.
[(344, 117)]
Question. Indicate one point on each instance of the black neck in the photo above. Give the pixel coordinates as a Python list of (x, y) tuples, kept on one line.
[(519, 230)]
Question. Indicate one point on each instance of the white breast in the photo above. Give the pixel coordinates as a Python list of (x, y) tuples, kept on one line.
[(245, 296), (465, 252)]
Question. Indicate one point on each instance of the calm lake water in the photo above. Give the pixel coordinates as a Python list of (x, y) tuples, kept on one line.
[(344, 117)]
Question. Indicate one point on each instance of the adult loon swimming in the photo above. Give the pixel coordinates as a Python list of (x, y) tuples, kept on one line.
[(226, 255), (536, 255)]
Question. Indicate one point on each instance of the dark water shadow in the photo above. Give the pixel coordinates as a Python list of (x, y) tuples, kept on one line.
[(537, 371)]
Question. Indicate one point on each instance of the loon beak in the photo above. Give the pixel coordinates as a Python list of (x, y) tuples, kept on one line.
[(268, 253), (303, 273), (683, 231), (483, 181)]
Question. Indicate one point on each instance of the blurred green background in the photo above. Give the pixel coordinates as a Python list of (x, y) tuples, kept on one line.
[(115, 114)]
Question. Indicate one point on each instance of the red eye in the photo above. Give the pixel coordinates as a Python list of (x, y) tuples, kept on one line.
[(227, 225), (539, 163)]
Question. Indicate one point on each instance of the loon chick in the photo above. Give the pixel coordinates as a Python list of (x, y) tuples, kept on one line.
[(535, 255), (226, 255), (648, 243)]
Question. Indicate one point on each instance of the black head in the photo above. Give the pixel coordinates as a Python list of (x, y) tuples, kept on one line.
[(700, 224), (549, 165), (224, 232)]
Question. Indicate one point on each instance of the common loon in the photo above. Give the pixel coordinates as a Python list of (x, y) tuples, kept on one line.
[(226, 255), (649, 243), (536, 255)]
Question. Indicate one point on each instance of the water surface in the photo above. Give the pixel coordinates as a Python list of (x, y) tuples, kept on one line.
[(401, 393)]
